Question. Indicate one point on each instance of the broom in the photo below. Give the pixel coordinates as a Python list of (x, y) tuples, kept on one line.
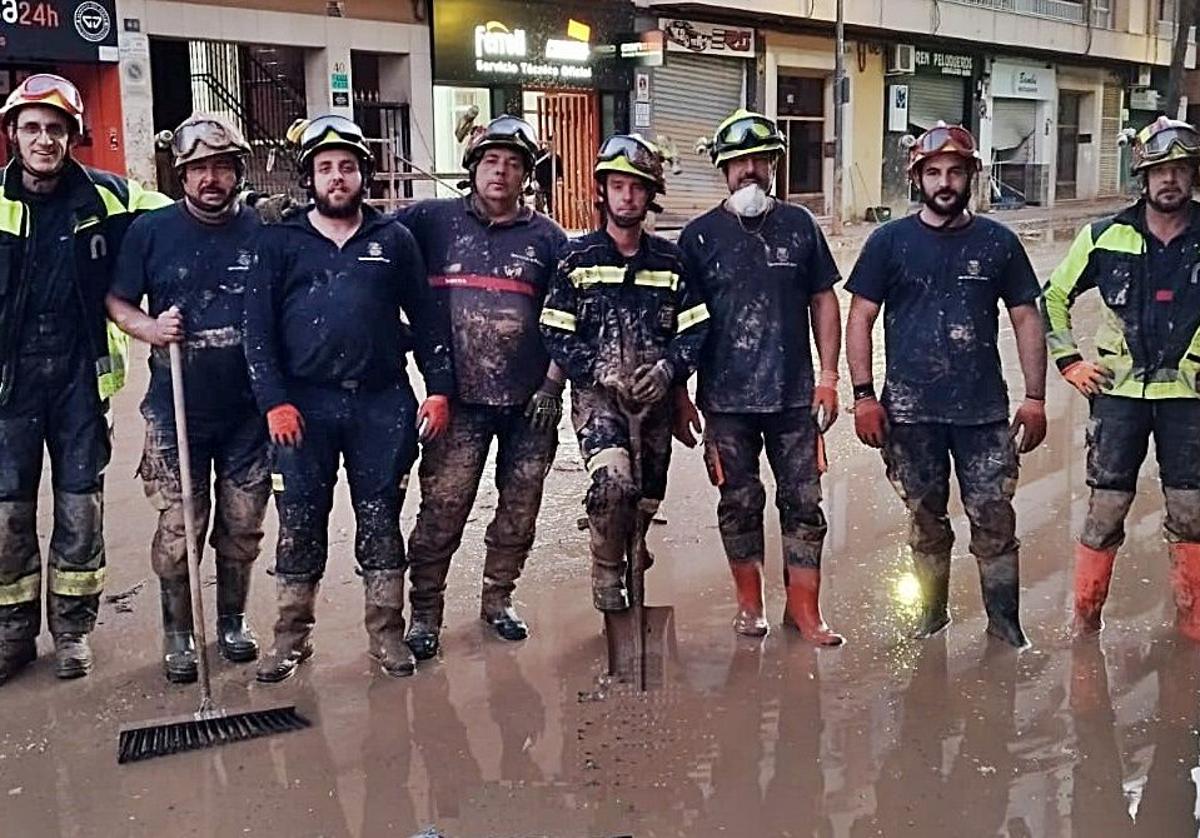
[(208, 726)]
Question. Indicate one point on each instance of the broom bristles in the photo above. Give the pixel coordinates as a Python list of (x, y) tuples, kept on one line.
[(204, 730)]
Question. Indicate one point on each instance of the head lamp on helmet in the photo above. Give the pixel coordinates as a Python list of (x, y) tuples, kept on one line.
[(1164, 140), (503, 132), (744, 133), (49, 90), (632, 154)]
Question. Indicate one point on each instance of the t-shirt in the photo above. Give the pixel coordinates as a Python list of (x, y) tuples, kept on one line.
[(939, 290), (756, 275), (173, 259)]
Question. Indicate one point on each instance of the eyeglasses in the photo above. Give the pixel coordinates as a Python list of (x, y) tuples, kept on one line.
[(33, 130), (940, 137), (1159, 145), (319, 127), (213, 134), (638, 153), (45, 85)]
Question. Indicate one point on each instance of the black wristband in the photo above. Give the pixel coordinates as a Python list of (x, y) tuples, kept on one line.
[(864, 391)]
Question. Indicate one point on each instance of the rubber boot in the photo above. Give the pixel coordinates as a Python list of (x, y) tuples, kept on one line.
[(496, 609), (179, 644), (384, 618), (423, 635), (933, 575), (804, 607), (1000, 579), (1185, 581), (15, 655), (748, 585), (293, 630), (72, 655), (1093, 573), (235, 637)]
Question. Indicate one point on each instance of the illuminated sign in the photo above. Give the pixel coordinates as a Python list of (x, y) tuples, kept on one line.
[(494, 40), (497, 47)]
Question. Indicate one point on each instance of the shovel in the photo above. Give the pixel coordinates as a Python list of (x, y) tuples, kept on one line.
[(638, 637)]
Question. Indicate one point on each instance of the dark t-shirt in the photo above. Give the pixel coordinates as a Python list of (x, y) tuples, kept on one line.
[(939, 290), (756, 276), (173, 259)]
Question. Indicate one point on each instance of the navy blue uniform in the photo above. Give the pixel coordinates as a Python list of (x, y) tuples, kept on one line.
[(756, 381), (172, 259), (492, 278), (323, 332)]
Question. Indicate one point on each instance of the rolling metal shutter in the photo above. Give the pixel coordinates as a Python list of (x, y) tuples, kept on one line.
[(1110, 151), (931, 98), (692, 94)]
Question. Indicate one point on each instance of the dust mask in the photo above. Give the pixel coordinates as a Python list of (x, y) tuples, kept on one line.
[(750, 201)]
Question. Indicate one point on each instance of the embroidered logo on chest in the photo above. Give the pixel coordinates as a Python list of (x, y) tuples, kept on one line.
[(244, 260), (374, 253)]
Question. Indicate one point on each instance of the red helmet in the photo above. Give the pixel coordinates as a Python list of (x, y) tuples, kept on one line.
[(49, 90), (943, 139)]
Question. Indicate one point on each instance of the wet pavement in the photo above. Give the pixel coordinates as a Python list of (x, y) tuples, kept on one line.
[(954, 736)]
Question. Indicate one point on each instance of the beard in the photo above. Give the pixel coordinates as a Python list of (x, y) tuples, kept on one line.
[(330, 210), (1171, 202), (952, 210), (627, 221)]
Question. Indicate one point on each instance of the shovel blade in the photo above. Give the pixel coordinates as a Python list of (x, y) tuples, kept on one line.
[(640, 641)]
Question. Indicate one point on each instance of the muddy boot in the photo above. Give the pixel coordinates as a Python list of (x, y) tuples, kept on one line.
[(293, 630), (1093, 573), (1185, 581), (933, 575), (72, 656), (423, 635), (235, 638), (496, 609), (15, 655), (804, 607), (748, 585), (384, 619), (1001, 583), (179, 644)]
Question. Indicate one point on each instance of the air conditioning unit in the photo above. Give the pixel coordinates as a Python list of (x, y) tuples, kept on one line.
[(1143, 76), (901, 58)]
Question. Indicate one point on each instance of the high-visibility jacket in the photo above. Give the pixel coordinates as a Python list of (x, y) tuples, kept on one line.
[(1149, 334), (103, 205)]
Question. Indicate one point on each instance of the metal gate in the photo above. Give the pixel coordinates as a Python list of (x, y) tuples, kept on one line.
[(568, 123)]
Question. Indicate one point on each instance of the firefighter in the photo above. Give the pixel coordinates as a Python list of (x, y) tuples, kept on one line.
[(940, 275), (326, 349), (61, 225), (1144, 262), (766, 271), (624, 322), (192, 261), (490, 259)]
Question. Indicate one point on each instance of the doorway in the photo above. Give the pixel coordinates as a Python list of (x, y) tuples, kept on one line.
[(1065, 176), (568, 128), (801, 175)]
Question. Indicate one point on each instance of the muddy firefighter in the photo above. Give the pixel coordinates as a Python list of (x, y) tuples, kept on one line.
[(1144, 381), (490, 259), (326, 348), (192, 261), (938, 276), (60, 362), (765, 271), (625, 323)]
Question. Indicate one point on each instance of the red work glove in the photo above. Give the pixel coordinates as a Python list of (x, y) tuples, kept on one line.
[(685, 419), (1088, 378), (870, 422), (1030, 422), (285, 425), (433, 417), (825, 400)]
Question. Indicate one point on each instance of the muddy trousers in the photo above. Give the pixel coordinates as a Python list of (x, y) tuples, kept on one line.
[(918, 458), (55, 406), (450, 471), (733, 446), (371, 431), (617, 507)]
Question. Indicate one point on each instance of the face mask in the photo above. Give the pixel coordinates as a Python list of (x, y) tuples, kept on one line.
[(750, 201)]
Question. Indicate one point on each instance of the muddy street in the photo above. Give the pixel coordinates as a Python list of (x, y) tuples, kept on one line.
[(954, 736)]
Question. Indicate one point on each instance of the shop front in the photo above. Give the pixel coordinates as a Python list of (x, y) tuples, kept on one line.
[(539, 60), (76, 39), (1023, 138)]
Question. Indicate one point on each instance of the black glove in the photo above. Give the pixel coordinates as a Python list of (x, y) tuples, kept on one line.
[(651, 382), (544, 410)]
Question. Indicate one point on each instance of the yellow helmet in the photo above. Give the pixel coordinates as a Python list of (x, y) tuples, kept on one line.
[(1163, 140), (743, 133), (632, 154)]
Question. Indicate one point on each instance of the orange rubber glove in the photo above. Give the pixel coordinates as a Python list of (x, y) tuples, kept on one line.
[(433, 417), (1088, 378), (285, 425), (825, 400), (870, 422), (685, 419)]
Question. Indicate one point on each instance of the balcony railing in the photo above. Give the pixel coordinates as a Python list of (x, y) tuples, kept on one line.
[(1072, 12)]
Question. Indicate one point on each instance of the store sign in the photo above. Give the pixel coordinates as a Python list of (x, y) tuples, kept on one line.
[(1143, 99), (1022, 81), (707, 38), (58, 30), (943, 63), (510, 42)]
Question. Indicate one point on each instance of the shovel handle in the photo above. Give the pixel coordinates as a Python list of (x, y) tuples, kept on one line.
[(189, 522)]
